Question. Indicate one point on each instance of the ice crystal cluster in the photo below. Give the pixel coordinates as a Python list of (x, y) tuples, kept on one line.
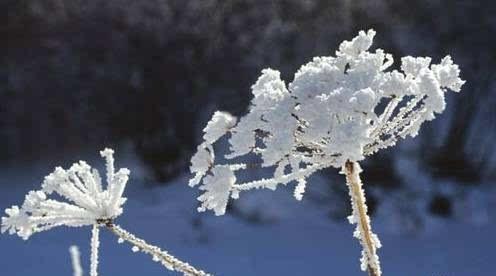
[(81, 199), (337, 109)]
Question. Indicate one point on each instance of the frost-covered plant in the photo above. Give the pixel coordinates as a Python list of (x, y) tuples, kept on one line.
[(337, 110), (79, 199)]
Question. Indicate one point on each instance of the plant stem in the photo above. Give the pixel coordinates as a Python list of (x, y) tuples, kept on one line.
[(95, 244), (368, 240), (169, 261)]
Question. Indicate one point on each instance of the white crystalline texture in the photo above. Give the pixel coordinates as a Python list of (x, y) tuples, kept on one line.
[(332, 112), (447, 74), (201, 163), (357, 45), (269, 112), (220, 123), (268, 89), (84, 201), (300, 189), (414, 65), (217, 187)]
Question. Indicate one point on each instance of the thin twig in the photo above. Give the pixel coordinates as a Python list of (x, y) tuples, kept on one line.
[(158, 254)]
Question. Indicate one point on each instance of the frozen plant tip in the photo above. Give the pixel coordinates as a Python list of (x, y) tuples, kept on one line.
[(80, 200), (336, 111)]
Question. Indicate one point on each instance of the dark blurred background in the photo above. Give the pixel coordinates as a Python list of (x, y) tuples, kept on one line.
[(87, 74)]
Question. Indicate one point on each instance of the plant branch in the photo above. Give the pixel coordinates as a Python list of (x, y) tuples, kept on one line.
[(159, 255), (284, 179)]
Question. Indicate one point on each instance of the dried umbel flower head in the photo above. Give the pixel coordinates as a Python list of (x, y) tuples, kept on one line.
[(328, 115), (85, 201), (337, 110)]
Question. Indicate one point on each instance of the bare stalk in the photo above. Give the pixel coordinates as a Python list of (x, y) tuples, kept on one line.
[(363, 232), (95, 244), (159, 255)]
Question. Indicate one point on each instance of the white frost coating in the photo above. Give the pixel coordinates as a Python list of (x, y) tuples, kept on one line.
[(217, 186), (85, 200), (300, 189), (220, 123), (269, 110), (414, 65), (332, 112), (447, 74), (217, 127), (77, 269), (201, 162)]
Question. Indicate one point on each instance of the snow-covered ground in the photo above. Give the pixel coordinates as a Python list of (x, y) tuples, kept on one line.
[(301, 241)]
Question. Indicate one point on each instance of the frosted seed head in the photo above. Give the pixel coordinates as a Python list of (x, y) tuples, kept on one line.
[(83, 201), (337, 109)]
